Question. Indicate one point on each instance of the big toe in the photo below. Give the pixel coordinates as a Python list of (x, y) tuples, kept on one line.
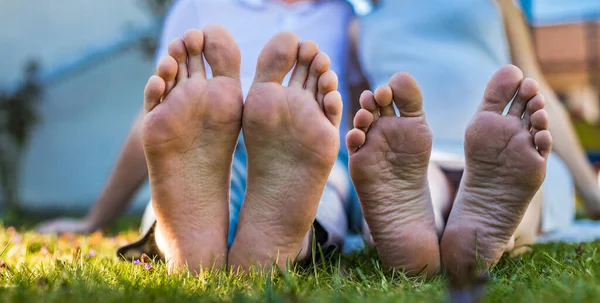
[(407, 95), (222, 52), (277, 58), (501, 89)]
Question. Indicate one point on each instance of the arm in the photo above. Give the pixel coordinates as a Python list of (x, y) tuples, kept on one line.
[(566, 144), (127, 176), (130, 170)]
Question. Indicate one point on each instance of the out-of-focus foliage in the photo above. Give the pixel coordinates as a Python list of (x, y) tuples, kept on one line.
[(18, 115)]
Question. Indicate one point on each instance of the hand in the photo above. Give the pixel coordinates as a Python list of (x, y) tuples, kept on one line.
[(66, 225)]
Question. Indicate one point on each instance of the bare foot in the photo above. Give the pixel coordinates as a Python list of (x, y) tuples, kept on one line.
[(291, 135), (189, 138), (389, 157), (505, 166)]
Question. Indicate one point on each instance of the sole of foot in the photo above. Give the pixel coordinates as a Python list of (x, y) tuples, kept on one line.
[(389, 159), (291, 136), (190, 128), (506, 159)]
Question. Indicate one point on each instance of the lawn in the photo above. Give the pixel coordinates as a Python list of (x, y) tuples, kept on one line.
[(69, 268)]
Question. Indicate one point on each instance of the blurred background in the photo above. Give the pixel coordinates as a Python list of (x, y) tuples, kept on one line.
[(567, 40), (70, 88), (72, 76)]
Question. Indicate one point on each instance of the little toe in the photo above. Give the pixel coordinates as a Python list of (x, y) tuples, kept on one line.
[(332, 104), (501, 88), (407, 95), (383, 96), (328, 82), (222, 52), (277, 58), (319, 65), (355, 139), (155, 89), (528, 89), (543, 142), (536, 103), (179, 53), (167, 70), (194, 44), (367, 101), (307, 52)]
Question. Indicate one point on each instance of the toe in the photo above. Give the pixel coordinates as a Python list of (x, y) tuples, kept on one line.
[(221, 52), (167, 69), (539, 121), (178, 52), (363, 119), (318, 66), (194, 44), (407, 95), (332, 104), (536, 103), (383, 97), (543, 142), (155, 89), (367, 101), (328, 82), (355, 139), (501, 88), (277, 58), (307, 52), (528, 89)]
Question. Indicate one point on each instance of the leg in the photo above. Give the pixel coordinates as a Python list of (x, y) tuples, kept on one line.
[(569, 149), (189, 136), (292, 139), (582, 101), (506, 159), (389, 158)]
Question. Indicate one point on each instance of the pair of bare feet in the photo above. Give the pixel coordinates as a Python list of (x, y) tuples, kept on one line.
[(506, 159), (190, 130), (191, 127)]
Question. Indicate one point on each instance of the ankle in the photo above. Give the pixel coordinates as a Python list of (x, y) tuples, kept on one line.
[(253, 248), (189, 253)]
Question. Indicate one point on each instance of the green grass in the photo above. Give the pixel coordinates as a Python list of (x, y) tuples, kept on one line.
[(61, 269)]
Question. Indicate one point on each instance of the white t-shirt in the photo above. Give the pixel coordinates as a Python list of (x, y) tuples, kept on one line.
[(252, 23), (452, 48)]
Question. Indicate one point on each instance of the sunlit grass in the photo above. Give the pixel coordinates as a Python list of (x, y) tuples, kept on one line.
[(85, 269)]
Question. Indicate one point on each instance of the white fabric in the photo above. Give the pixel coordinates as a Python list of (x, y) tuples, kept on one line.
[(252, 23), (578, 231), (452, 48)]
